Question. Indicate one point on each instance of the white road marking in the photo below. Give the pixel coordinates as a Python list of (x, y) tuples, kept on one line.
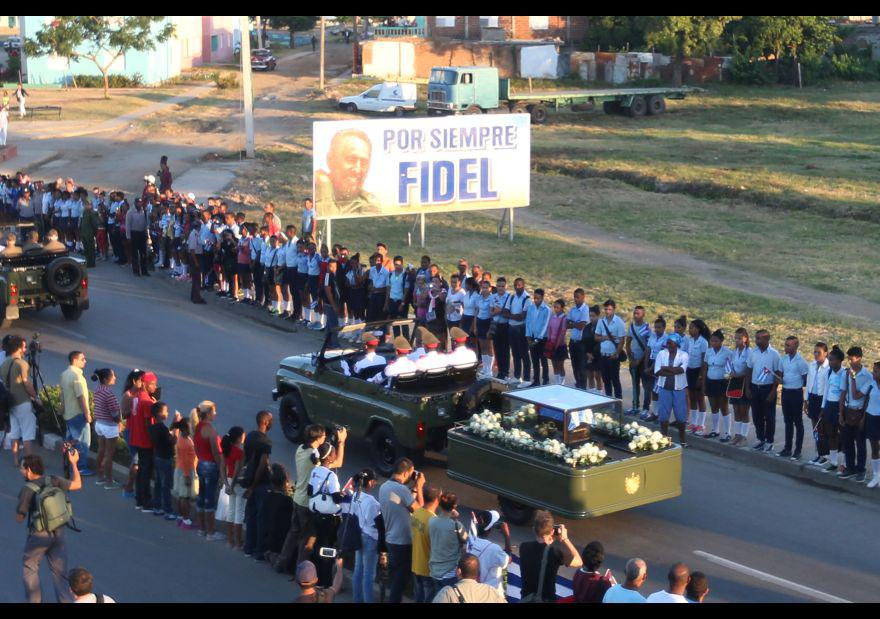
[(781, 582)]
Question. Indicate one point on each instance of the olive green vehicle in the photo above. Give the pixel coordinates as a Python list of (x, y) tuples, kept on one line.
[(407, 417), (38, 278), (525, 481)]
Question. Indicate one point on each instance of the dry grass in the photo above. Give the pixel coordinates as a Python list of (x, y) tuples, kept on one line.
[(90, 104)]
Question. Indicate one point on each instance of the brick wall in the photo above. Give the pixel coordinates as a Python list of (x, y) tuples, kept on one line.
[(515, 27), (435, 52)]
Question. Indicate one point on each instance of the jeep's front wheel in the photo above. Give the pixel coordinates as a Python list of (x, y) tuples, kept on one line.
[(515, 513), (385, 450), (293, 417)]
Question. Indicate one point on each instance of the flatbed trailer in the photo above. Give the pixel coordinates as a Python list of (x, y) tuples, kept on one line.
[(479, 90)]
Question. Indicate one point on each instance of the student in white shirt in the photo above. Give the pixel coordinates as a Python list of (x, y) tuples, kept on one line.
[(872, 426), (830, 427), (366, 508), (679, 576), (401, 365), (455, 300), (697, 343), (611, 332), (762, 389), (637, 335), (736, 393), (859, 384), (793, 372), (656, 343), (817, 376), (717, 364), (670, 371)]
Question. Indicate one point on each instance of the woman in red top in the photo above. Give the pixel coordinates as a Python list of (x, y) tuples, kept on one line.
[(207, 444), (233, 456), (139, 438)]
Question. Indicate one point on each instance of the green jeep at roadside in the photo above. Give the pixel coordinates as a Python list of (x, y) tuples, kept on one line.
[(405, 418), (37, 278)]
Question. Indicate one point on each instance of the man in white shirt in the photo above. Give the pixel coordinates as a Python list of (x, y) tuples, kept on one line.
[(432, 359), (611, 332), (493, 559), (817, 378), (371, 359), (402, 365), (761, 390), (455, 298), (537, 320), (792, 372), (679, 576), (518, 307), (670, 372), (81, 583), (461, 354), (628, 593)]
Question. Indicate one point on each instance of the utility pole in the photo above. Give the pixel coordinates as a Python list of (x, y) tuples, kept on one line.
[(247, 87), (321, 80), (259, 33)]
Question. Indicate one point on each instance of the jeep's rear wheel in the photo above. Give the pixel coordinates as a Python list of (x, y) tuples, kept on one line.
[(515, 513), (385, 450), (293, 417), (71, 312)]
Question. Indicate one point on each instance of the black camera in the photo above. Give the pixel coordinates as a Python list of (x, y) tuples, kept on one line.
[(416, 475)]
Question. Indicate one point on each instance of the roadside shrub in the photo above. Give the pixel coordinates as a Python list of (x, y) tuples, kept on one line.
[(225, 80), (743, 70), (854, 68), (114, 81)]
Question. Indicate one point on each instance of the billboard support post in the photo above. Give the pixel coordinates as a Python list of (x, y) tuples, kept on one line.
[(510, 224), (329, 233), (422, 228)]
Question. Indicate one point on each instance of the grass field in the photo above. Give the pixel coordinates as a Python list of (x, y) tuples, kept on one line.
[(90, 104), (774, 181)]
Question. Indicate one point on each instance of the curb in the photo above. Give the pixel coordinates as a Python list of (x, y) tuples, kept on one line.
[(800, 471), (240, 309), (52, 442)]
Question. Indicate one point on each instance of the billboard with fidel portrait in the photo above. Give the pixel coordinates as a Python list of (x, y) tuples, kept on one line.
[(404, 166)]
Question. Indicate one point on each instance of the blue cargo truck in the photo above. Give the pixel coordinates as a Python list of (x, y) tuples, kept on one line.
[(478, 90)]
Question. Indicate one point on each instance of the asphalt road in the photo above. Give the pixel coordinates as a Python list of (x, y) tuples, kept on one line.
[(760, 537)]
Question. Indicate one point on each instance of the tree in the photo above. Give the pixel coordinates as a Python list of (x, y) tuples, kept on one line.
[(615, 32), (100, 39), (681, 36), (781, 36), (294, 23)]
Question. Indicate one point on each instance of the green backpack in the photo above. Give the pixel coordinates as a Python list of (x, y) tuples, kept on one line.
[(53, 508)]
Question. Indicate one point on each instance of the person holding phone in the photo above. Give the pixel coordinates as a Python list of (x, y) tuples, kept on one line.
[(550, 550)]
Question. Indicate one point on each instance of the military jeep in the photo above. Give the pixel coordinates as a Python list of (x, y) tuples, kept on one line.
[(38, 278), (402, 417)]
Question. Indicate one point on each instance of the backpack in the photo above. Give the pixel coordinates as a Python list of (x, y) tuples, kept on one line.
[(53, 508), (322, 501)]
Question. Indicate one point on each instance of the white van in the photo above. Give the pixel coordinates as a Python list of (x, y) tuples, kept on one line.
[(388, 97)]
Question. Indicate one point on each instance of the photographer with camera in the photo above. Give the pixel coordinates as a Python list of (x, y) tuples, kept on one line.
[(448, 540), (43, 503), (75, 408), (325, 496), (541, 559), (14, 372), (397, 501)]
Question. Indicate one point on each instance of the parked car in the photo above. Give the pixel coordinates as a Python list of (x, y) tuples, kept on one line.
[(263, 60), (389, 98), (12, 43)]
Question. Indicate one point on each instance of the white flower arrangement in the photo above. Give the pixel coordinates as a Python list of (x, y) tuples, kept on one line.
[(645, 439), (524, 415), (487, 425), (607, 424)]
